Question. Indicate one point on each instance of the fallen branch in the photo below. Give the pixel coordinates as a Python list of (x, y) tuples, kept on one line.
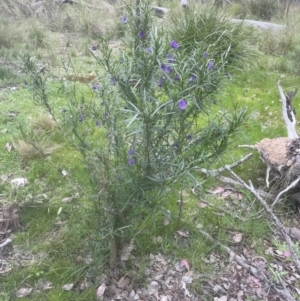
[(292, 185), (274, 218), (290, 124), (285, 294), (8, 241), (216, 172)]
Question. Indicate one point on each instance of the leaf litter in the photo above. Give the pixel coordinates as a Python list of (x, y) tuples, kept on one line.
[(169, 280)]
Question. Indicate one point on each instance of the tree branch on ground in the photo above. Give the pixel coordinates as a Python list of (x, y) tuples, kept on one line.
[(284, 293), (273, 217), (226, 180)]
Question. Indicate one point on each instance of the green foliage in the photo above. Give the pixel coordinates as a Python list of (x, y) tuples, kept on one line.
[(206, 29), (153, 103), (264, 9)]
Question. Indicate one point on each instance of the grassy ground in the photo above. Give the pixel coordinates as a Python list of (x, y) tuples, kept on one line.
[(56, 238)]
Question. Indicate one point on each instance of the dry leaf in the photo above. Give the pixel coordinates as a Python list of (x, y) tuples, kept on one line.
[(294, 233), (187, 279), (269, 251), (123, 282), (223, 298), (127, 251), (100, 290), (67, 199), (238, 237), (59, 210), (182, 233), (19, 182), (166, 221), (23, 292), (239, 295), (212, 258), (218, 190), (67, 287), (64, 173), (184, 263), (256, 281), (161, 259), (8, 146), (47, 285)]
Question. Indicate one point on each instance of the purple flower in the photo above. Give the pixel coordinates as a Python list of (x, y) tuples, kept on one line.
[(131, 161), (192, 78), (149, 50), (175, 144), (160, 81), (124, 19), (204, 54), (94, 47), (176, 77), (182, 104), (121, 60), (80, 117), (166, 68), (112, 81), (96, 87), (170, 58), (141, 35), (97, 123), (189, 137), (130, 152), (174, 44), (63, 110), (210, 65)]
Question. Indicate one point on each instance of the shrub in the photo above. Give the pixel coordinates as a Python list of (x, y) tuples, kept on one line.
[(213, 32), (149, 122), (264, 9)]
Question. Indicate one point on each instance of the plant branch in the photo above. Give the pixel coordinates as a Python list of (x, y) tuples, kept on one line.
[(274, 218), (292, 185), (216, 172), (290, 125)]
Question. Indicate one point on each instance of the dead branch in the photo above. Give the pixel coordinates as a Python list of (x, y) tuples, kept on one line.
[(6, 242), (216, 172), (273, 217), (285, 294), (290, 124), (292, 185)]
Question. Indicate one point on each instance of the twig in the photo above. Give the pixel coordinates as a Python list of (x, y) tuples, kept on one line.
[(285, 294), (290, 125), (216, 172), (248, 146), (180, 206), (293, 184), (8, 240), (274, 218)]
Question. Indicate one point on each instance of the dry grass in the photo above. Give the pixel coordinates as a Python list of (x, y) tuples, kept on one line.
[(29, 151), (44, 123)]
